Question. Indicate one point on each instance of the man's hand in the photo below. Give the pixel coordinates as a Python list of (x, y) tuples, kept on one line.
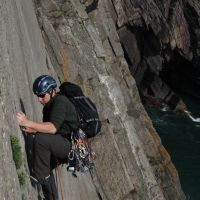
[(22, 119), (33, 127)]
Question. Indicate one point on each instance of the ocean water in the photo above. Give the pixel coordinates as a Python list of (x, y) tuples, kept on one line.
[(180, 135)]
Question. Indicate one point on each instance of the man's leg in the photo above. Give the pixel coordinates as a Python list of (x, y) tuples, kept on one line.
[(49, 188), (45, 146)]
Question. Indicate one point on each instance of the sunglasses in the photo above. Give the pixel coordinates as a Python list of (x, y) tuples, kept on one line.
[(41, 95)]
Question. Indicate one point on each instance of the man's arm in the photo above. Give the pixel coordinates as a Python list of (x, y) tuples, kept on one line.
[(43, 127)]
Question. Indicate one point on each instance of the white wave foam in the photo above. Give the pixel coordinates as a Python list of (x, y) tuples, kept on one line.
[(191, 117)]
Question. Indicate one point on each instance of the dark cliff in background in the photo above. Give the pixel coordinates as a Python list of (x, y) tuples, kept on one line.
[(97, 44), (160, 40)]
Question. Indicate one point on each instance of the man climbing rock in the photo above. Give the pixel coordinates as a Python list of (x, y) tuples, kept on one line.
[(52, 136)]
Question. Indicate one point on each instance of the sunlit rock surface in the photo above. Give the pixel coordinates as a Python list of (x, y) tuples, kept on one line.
[(131, 162)]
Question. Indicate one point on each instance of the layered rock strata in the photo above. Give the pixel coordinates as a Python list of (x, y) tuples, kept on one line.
[(160, 40), (131, 161), (79, 40)]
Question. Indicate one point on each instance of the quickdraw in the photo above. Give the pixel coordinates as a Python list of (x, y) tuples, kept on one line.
[(81, 158)]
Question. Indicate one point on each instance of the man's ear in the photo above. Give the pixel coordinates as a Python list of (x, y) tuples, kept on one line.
[(52, 92)]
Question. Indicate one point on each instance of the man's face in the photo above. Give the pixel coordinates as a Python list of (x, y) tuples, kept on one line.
[(44, 98)]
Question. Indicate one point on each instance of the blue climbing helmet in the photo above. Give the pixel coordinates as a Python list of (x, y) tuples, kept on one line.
[(43, 83)]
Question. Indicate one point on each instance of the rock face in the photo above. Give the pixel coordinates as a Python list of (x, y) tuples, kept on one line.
[(86, 42), (160, 42)]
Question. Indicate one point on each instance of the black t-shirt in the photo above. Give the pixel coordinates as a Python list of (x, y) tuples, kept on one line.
[(62, 113)]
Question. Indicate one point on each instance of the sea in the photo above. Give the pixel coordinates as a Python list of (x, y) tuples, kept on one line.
[(180, 135)]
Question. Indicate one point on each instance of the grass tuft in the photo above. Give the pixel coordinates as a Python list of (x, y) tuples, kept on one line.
[(16, 150), (17, 157)]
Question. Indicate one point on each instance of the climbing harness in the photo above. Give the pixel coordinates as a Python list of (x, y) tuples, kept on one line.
[(81, 158)]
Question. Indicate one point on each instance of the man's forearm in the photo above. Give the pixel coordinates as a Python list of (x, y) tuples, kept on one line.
[(43, 127)]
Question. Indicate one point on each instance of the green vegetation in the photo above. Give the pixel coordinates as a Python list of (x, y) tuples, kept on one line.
[(17, 157), (22, 178), (16, 150)]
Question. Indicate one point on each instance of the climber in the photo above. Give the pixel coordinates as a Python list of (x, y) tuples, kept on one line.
[(52, 136)]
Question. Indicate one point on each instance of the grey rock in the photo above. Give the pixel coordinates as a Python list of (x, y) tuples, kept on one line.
[(131, 161)]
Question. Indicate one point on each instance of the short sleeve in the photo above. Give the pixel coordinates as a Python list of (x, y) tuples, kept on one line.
[(61, 108)]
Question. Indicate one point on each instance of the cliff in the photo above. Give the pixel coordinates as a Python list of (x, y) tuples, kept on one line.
[(101, 45), (161, 45)]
